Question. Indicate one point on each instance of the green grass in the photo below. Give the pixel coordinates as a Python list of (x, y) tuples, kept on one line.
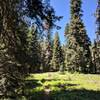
[(67, 86)]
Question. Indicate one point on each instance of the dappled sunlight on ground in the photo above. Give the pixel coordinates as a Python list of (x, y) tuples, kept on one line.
[(67, 86)]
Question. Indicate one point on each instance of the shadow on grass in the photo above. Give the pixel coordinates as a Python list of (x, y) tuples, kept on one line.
[(31, 93), (44, 80), (30, 84), (75, 95), (66, 95), (62, 94)]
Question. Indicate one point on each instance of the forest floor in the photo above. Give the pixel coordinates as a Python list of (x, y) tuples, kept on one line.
[(66, 86)]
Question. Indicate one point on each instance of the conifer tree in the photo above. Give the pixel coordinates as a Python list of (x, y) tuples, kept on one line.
[(62, 67), (13, 30), (47, 51), (57, 58), (66, 34), (13, 36), (34, 49), (78, 40), (96, 47)]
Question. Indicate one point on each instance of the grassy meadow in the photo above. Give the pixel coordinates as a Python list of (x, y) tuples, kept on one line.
[(62, 86)]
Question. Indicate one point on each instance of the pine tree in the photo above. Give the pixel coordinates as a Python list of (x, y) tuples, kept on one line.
[(62, 67), (13, 57), (13, 27), (78, 40), (42, 45), (96, 47), (66, 34), (57, 58), (47, 51), (34, 49)]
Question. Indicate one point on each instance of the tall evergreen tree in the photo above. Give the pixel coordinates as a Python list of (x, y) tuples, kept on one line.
[(34, 49), (13, 57), (66, 34), (78, 40), (13, 29), (96, 47), (57, 58), (47, 51)]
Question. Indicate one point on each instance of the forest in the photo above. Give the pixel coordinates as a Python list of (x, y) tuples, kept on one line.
[(34, 65)]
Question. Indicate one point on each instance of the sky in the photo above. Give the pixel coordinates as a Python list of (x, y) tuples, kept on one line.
[(62, 8)]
